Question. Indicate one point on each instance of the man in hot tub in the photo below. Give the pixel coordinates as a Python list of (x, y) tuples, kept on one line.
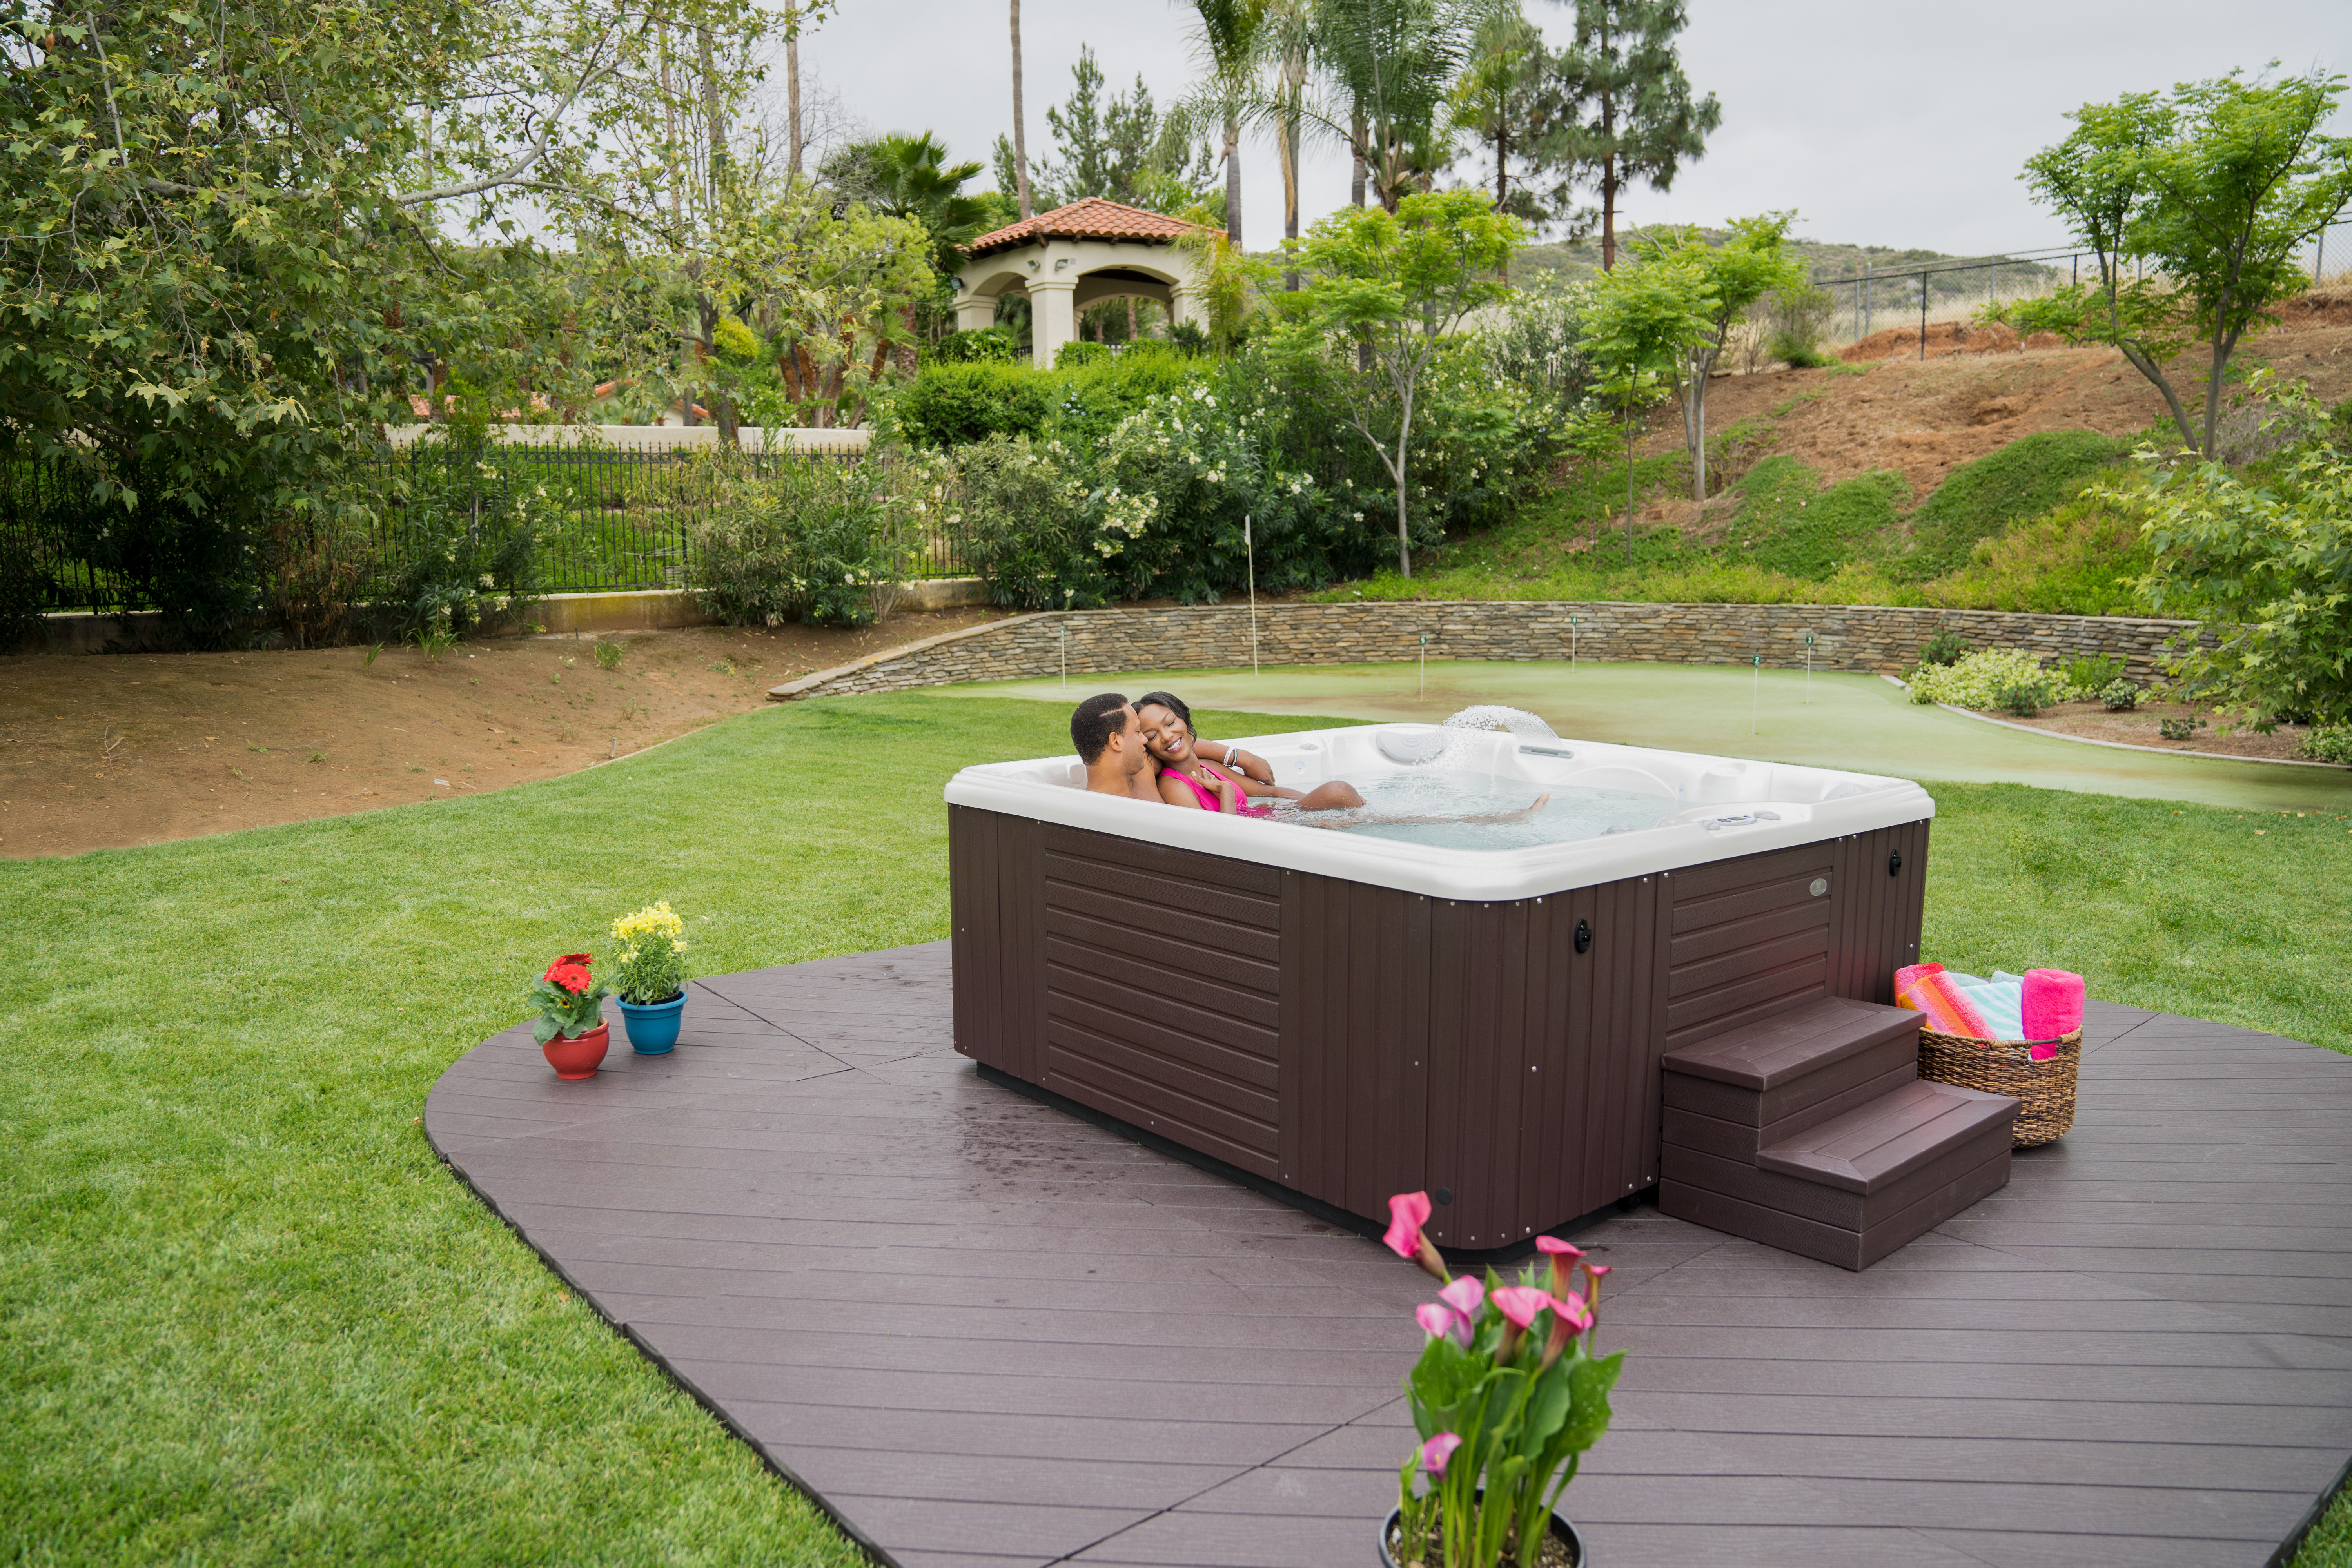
[(1110, 743)]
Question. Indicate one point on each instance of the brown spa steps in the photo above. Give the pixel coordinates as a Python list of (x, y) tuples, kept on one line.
[(1812, 1131)]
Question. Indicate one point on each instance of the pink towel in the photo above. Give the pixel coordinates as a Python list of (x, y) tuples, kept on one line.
[(1911, 971), (2053, 1006), (1949, 1009)]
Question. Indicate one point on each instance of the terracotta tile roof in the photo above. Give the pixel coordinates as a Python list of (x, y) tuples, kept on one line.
[(1093, 218)]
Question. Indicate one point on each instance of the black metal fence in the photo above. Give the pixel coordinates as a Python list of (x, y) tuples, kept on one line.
[(613, 519)]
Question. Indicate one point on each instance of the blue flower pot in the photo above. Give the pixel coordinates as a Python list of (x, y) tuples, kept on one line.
[(652, 1026)]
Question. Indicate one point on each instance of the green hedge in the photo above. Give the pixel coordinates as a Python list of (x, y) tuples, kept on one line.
[(956, 405)]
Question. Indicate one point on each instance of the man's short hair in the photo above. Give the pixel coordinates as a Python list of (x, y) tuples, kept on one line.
[(1098, 719)]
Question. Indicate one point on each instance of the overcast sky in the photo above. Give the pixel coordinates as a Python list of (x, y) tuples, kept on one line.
[(1882, 123)]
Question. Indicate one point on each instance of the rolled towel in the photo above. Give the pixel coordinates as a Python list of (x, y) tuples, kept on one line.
[(1911, 971), (1996, 1003), (1946, 1005), (2053, 1006)]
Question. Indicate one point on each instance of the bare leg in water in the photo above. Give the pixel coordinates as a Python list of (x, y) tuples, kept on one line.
[(1378, 819)]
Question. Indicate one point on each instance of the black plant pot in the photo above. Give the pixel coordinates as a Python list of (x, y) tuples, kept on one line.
[(1562, 1529)]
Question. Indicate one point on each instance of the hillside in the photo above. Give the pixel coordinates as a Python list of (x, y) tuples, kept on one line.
[(1888, 480)]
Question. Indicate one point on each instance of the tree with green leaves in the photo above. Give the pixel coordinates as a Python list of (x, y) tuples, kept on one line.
[(1753, 260), (1632, 115), (2216, 187), (1389, 67), (1226, 40), (1502, 104), (1642, 323), (1385, 294), (910, 177), (237, 236)]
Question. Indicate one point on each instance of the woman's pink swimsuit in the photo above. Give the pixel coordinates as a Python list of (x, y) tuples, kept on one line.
[(1208, 800)]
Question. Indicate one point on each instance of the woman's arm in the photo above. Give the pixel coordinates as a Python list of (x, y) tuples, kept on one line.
[(1247, 763), (1173, 791)]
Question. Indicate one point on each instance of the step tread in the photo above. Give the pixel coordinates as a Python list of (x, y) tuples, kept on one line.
[(1784, 1047), (1875, 1146)]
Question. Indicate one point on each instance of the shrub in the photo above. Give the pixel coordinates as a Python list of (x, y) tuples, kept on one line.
[(1793, 320), (470, 537), (2083, 558), (1082, 399), (2330, 745), (810, 540), (2178, 729), (2119, 696), (2091, 672), (1032, 526), (2269, 568), (1987, 678), (2026, 698), (1947, 647), (984, 345), (1987, 497), (1078, 352)]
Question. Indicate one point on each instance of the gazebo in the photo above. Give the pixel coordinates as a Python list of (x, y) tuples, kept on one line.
[(1068, 258)]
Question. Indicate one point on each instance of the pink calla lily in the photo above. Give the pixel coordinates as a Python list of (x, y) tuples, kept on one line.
[(1437, 1451), (1464, 1296), (1520, 1304), (1440, 1321), (1407, 1212), (1563, 1255)]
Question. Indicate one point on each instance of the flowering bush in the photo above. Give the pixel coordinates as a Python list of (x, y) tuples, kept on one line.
[(471, 534), (810, 539), (651, 964), (1981, 679), (1506, 1397), (569, 1001)]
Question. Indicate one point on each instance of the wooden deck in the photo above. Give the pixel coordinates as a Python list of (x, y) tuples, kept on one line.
[(985, 1333)]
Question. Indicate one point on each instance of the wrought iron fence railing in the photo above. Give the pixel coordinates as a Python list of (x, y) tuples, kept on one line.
[(613, 519)]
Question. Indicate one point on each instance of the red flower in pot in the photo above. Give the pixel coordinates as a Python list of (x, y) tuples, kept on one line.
[(569, 1027)]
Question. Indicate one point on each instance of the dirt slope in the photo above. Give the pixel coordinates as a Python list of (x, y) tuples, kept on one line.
[(1980, 391), (106, 751)]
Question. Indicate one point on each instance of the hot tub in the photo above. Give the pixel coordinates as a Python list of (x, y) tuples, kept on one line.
[(1350, 1015)]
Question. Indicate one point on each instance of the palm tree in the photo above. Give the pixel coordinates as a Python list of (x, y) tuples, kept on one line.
[(1020, 132), (1390, 65), (1229, 36), (908, 176)]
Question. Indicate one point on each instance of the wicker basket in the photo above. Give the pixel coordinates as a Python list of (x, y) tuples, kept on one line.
[(2047, 1087)]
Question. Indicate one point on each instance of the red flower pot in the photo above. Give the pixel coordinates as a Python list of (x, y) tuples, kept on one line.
[(574, 1057)]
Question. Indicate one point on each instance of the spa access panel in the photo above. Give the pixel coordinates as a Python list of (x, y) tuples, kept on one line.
[(1349, 1041)]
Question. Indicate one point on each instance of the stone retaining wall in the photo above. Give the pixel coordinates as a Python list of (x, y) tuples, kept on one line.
[(1846, 638)]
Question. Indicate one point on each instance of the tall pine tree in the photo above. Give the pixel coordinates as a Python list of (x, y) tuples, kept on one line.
[(1633, 116)]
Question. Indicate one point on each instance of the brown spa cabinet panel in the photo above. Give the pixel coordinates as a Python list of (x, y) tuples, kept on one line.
[(1350, 1041)]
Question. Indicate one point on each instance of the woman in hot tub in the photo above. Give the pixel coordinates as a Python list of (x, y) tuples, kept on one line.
[(1188, 777)]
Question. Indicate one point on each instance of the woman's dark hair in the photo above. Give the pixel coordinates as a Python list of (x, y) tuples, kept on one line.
[(1174, 703)]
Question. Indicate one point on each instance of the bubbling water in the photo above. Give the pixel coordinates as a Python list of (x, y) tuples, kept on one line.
[(1495, 716)]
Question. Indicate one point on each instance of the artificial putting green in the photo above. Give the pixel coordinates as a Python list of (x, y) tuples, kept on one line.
[(247, 1316), (1858, 722)]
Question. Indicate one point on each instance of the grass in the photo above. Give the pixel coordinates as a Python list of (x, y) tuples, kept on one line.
[(1987, 497), (249, 1318), (2006, 532)]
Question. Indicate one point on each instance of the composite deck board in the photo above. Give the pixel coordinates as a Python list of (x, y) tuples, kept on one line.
[(992, 1335)]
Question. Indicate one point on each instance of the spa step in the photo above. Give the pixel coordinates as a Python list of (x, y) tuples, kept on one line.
[(1811, 1131)]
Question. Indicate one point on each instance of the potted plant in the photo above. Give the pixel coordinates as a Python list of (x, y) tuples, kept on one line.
[(1507, 1396), (570, 1023), (652, 977)]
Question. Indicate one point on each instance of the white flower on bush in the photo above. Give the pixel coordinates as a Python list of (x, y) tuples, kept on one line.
[(1979, 679)]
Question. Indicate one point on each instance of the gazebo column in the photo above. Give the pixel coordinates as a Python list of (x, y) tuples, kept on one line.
[(1053, 318), (975, 312), (1183, 304)]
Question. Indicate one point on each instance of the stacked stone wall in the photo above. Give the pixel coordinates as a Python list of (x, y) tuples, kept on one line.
[(1845, 637)]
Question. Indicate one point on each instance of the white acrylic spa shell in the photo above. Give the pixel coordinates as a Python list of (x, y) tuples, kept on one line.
[(1727, 807)]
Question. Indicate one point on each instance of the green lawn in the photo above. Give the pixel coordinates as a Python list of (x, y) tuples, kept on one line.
[(247, 1316)]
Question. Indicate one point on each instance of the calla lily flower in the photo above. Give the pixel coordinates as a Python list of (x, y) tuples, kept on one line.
[(1464, 1296), (1520, 1304), (1568, 1320), (1563, 1255), (1437, 1451), (1407, 1212), (1440, 1321)]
